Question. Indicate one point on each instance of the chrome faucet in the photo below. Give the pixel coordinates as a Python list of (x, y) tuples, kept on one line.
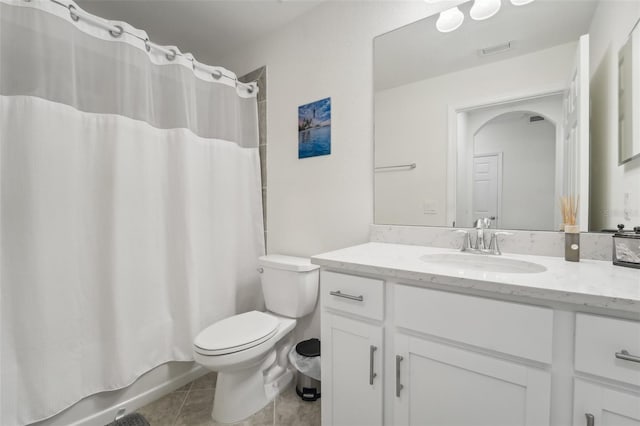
[(466, 241), (480, 225), (479, 246), (494, 246)]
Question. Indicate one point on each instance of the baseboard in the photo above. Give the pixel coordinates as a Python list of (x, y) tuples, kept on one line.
[(107, 415)]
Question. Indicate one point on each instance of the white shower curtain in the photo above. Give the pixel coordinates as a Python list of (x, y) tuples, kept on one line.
[(131, 211)]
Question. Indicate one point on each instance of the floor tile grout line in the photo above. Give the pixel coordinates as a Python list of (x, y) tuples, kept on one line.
[(184, 400), (186, 396), (275, 401)]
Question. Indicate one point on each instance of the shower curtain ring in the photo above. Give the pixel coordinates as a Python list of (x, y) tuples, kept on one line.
[(217, 74), (117, 34), (247, 86), (171, 56), (74, 17), (147, 45)]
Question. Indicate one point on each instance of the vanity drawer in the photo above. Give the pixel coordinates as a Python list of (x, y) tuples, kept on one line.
[(599, 339), (521, 330), (357, 295)]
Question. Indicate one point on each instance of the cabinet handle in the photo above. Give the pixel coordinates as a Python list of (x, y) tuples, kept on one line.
[(591, 421), (372, 375), (399, 385), (346, 296), (625, 355)]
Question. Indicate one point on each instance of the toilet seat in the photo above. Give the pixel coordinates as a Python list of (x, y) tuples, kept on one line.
[(236, 333)]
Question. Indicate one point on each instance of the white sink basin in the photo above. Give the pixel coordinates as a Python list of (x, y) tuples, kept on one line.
[(483, 263)]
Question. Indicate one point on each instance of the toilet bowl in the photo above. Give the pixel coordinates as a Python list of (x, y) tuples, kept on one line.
[(243, 357), (249, 350)]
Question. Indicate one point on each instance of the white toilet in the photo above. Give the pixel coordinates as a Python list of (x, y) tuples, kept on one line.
[(249, 351)]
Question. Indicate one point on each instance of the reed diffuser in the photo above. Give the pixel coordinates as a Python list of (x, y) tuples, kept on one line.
[(569, 209)]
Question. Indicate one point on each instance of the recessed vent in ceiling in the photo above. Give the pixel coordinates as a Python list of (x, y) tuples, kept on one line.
[(498, 48)]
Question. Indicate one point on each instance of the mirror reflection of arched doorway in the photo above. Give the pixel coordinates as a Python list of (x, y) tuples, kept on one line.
[(513, 177)]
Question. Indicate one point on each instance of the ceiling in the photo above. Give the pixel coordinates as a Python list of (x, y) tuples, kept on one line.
[(419, 51), (210, 29)]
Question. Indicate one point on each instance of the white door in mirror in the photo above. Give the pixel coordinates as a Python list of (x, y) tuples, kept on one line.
[(487, 187)]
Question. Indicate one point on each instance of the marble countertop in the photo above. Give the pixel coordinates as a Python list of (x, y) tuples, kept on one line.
[(593, 283)]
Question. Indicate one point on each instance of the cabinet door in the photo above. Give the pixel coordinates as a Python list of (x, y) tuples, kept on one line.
[(599, 405), (351, 372), (438, 384)]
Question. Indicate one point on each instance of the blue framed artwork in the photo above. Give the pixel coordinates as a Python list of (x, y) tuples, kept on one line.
[(314, 129)]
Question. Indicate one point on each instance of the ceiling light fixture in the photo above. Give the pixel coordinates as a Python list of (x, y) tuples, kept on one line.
[(484, 9), (449, 20)]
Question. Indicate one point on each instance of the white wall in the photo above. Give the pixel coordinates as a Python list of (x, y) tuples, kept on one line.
[(528, 171), (323, 203), (411, 127), (412, 122), (614, 189)]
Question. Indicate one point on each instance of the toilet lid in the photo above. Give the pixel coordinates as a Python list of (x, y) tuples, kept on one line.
[(236, 333)]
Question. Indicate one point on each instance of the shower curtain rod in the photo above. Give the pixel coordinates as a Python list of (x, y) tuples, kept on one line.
[(116, 31)]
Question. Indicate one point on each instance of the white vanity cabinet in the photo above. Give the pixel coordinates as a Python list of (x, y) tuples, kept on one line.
[(455, 359), (352, 350), (439, 384), (352, 360), (472, 377), (597, 404), (607, 354)]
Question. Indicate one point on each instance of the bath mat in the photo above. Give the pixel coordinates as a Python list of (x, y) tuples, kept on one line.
[(133, 419)]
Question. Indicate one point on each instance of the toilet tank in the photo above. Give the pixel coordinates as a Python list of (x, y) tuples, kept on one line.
[(289, 284)]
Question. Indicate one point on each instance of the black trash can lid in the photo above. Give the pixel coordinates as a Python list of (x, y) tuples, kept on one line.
[(309, 348)]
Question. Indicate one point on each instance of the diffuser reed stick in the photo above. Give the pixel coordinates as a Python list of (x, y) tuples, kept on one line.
[(569, 210)]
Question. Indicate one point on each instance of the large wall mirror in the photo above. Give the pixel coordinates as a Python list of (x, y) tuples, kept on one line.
[(502, 117)]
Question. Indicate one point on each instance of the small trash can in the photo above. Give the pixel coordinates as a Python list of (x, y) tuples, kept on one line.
[(305, 357)]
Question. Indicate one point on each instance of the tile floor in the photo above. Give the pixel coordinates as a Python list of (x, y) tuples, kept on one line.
[(191, 405)]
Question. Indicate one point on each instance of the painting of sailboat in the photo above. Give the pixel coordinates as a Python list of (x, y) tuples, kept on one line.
[(314, 129)]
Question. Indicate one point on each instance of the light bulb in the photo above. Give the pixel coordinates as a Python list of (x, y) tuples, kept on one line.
[(520, 2), (484, 9), (449, 20)]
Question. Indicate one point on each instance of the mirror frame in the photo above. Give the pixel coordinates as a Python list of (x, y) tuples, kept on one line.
[(632, 39)]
